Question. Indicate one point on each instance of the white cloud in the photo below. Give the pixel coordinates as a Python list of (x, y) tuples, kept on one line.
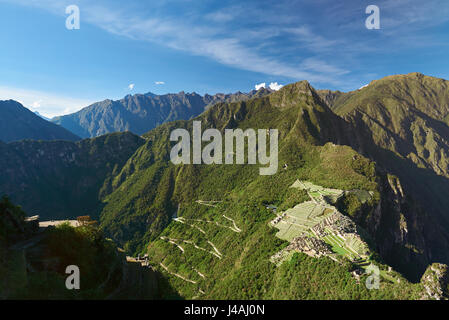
[(48, 104), (275, 86), (366, 85), (260, 85), (252, 47), (310, 40), (36, 104), (318, 65), (131, 86), (214, 41), (159, 82), (220, 16)]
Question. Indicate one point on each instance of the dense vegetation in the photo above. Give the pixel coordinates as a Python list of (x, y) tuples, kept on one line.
[(84, 247), (62, 179), (33, 264), (149, 190), (206, 226), (11, 221)]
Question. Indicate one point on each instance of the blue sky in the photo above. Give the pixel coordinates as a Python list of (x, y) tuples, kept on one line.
[(135, 46)]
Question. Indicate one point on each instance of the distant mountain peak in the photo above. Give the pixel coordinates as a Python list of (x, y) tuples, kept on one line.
[(43, 117), (140, 113), (18, 123)]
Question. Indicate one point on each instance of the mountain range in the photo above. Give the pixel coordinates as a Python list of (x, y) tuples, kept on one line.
[(140, 113), (369, 167), (18, 123)]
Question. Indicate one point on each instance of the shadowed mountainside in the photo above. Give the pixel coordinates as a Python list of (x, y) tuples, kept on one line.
[(62, 179), (389, 139), (406, 114), (18, 123), (405, 227)]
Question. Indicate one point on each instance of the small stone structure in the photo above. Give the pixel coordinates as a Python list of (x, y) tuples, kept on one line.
[(311, 246)]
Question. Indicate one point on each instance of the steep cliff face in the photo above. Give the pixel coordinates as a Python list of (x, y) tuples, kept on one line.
[(61, 179), (400, 123), (406, 114), (132, 183), (334, 98), (406, 234)]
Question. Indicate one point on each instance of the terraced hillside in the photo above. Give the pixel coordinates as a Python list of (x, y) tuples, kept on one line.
[(226, 250), (318, 229), (207, 226), (401, 123)]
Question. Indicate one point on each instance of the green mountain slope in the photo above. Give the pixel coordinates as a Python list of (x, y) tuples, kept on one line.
[(18, 123), (33, 262), (185, 216), (140, 113), (210, 229), (148, 175), (62, 179), (334, 98), (400, 122), (407, 114)]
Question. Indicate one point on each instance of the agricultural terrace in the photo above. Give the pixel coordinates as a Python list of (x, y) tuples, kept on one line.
[(299, 220), (317, 218), (318, 193)]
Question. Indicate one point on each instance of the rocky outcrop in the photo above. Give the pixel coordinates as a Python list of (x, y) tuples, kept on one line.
[(405, 234), (137, 281), (435, 282)]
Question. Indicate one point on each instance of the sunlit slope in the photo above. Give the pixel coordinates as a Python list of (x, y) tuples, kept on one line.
[(220, 244), (148, 189), (207, 226), (401, 122), (407, 114)]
